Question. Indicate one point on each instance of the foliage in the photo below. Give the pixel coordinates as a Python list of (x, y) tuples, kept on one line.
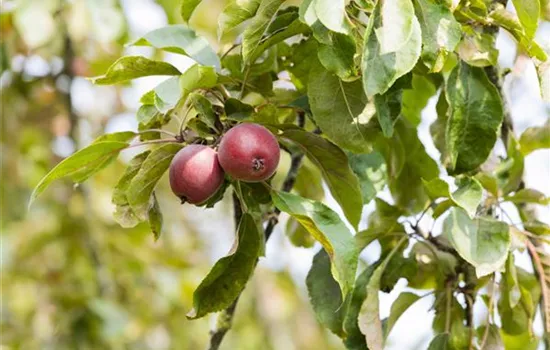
[(352, 110)]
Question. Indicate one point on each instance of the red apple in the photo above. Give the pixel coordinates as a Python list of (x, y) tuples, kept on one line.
[(249, 152), (195, 174)]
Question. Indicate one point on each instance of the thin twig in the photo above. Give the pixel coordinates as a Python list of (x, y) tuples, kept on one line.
[(470, 319), (234, 46), (489, 314), (448, 307), (540, 272), (166, 132), (245, 79)]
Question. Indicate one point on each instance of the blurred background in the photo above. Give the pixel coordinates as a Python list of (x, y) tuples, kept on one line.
[(72, 278)]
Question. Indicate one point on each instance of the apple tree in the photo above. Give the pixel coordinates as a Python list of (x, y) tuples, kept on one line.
[(340, 85)]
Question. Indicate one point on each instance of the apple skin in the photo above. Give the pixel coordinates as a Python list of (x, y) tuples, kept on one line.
[(195, 174), (249, 152)]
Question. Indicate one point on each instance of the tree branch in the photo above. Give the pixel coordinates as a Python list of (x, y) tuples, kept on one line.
[(225, 318)]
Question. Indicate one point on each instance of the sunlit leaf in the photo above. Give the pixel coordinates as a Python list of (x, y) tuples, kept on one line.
[(329, 230), (528, 13), (332, 13), (535, 138), (440, 32), (132, 67), (258, 27), (87, 159), (477, 48), (483, 242), (235, 13), (386, 57), (188, 7), (181, 40)]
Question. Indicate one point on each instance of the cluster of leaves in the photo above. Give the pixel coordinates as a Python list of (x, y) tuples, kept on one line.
[(361, 72)]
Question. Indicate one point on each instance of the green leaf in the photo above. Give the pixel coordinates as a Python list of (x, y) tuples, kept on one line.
[(475, 117), (439, 127), (483, 242), (477, 48), (181, 40), (528, 195), (124, 214), (369, 316), (235, 13), (355, 340), (337, 107), (204, 109), (370, 169), (187, 8), (510, 172), (388, 109), (302, 65), (468, 195), (493, 340), (441, 33), (399, 306), (89, 160), (416, 98), (258, 27), (382, 223), (155, 218), (535, 138), (524, 341), (132, 67), (298, 235), (198, 77), (390, 51), (143, 184), (309, 16), (285, 25), (408, 164), (324, 294), (396, 25), (512, 283), (334, 166), (528, 13), (237, 110), (437, 188), (519, 319), (167, 94), (332, 14), (327, 228), (489, 182), (227, 279), (440, 342), (309, 182), (505, 19), (338, 57)]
